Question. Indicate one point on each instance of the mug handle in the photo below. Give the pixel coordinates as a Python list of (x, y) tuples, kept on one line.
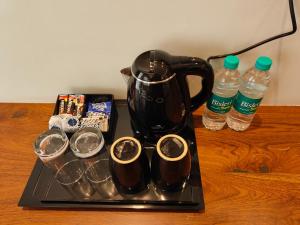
[(197, 67)]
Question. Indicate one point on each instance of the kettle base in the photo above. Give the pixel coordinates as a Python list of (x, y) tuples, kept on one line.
[(152, 138)]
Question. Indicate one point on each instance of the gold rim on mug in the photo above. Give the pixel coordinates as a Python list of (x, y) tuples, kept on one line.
[(127, 161), (183, 154)]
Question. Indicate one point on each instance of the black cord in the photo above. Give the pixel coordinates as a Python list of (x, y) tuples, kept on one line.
[(294, 23)]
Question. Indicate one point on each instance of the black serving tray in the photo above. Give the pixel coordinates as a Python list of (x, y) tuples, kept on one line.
[(42, 190)]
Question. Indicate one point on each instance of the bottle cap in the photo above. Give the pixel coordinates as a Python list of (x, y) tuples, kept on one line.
[(231, 62), (263, 63)]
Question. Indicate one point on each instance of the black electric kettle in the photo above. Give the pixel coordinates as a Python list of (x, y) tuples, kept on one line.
[(158, 95)]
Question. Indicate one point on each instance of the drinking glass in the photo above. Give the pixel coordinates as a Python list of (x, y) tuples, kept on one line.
[(86, 144), (99, 176), (71, 176), (50, 147)]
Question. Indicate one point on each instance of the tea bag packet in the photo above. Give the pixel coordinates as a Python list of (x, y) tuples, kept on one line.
[(69, 113), (79, 105), (71, 104), (98, 115), (66, 122), (63, 101), (99, 109), (70, 123), (55, 122), (95, 121), (75, 105)]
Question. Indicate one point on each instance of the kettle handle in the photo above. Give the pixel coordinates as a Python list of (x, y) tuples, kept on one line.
[(197, 67)]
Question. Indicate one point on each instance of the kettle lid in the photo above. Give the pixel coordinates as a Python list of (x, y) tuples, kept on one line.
[(152, 67)]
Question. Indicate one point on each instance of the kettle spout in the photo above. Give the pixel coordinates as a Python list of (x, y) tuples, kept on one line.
[(126, 71)]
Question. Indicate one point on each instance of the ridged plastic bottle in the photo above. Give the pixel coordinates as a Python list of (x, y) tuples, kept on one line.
[(253, 85), (225, 88)]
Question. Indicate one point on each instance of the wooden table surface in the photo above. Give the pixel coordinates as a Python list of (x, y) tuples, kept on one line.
[(252, 177)]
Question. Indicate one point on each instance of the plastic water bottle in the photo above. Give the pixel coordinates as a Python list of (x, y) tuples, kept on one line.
[(225, 88), (253, 85)]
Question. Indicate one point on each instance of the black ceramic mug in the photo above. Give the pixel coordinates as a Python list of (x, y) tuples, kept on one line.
[(129, 165), (171, 163)]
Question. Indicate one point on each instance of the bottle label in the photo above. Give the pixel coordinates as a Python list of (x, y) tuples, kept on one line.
[(245, 105), (219, 104)]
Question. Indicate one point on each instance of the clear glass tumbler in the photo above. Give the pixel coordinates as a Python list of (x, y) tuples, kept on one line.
[(50, 147), (86, 144), (99, 176), (71, 176)]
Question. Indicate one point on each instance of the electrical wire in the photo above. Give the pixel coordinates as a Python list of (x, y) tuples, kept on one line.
[(294, 25)]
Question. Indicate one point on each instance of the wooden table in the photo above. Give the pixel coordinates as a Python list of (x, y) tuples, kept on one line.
[(252, 177)]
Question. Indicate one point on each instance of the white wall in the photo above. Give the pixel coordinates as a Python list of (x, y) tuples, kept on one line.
[(66, 46)]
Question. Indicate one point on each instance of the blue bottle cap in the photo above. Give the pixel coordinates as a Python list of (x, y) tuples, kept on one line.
[(231, 62), (263, 63)]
